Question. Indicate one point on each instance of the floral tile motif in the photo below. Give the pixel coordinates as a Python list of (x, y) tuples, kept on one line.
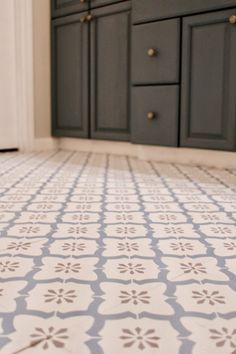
[(51, 198), (61, 297), (122, 207), (193, 269), (157, 198), (168, 218), (123, 191), (206, 218), (15, 267), (208, 207), (134, 269), (15, 198), (16, 246), (164, 207), (125, 217), (53, 335), (55, 267), (83, 207), (139, 336), (77, 231), (177, 231), (219, 230), (183, 247), (129, 248), (37, 217), (80, 218), (45, 206), (86, 198), (211, 336), (127, 230), (112, 255), (29, 230), (73, 248), (223, 247), (206, 298), (194, 198), (119, 298), (11, 207)]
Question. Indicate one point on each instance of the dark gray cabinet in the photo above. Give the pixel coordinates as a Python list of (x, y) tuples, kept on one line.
[(169, 79), (110, 72), (208, 112), (155, 115), (97, 3), (65, 7), (91, 73), (70, 76), (149, 10), (155, 52)]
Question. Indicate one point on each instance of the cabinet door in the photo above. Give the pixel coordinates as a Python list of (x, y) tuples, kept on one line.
[(65, 7), (70, 76), (208, 114), (110, 72)]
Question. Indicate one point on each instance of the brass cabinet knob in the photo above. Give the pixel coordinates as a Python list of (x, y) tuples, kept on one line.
[(232, 19), (151, 52), (89, 18), (83, 19), (151, 115), (82, 1)]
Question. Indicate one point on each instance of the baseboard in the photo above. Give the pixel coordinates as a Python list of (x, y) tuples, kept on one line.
[(98, 146), (44, 144), (195, 157)]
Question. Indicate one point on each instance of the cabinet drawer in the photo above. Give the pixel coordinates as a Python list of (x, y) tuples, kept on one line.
[(65, 7), (155, 52), (149, 10), (97, 3), (155, 115)]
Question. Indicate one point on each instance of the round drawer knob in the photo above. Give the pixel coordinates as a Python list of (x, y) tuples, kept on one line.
[(151, 52), (82, 1), (82, 19), (151, 115), (89, 18), (232, 19)]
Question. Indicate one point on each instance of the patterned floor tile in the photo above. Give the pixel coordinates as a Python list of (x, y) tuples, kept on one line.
[(103, 254)]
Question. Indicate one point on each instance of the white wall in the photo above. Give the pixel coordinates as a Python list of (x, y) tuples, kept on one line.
[(8, 120)]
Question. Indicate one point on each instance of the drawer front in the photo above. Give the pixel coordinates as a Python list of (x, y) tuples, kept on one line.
[(148, 10), (155, 52), (155, 115), (65, 7), (97, 3)]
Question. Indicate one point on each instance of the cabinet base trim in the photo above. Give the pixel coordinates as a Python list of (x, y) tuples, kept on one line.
[(209, 158)]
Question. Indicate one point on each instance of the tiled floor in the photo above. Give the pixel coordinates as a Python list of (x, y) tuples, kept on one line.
[(104, 254)]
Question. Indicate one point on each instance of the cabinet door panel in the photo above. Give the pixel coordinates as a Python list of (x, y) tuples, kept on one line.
[(110, 72), (70, 77), (65, 7), (208, 117)]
